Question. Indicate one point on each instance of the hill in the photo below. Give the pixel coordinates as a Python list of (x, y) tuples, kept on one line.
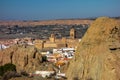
[(98, 54), (47, 22)]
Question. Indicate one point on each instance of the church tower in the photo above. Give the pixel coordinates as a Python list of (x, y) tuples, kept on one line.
[(52, 38), (72, 33)]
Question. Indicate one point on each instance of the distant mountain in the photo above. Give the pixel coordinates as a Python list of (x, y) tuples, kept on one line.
[(47, 22)]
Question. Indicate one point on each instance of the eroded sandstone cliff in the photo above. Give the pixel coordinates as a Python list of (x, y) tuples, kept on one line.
[(98, 54), (26, 58)]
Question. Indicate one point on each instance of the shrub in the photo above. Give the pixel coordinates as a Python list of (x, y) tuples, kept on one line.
[(10, 74), (9, 67), (44, 58), (1, 71), (24, 73), (6, 68)]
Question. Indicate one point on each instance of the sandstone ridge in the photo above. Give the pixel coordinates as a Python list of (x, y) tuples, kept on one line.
[(26, 58), (98, 54)]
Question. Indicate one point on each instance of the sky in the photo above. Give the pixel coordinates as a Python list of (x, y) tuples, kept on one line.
[(57, 9)]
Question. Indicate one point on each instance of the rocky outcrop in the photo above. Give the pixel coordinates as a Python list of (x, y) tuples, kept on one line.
[(98, 54), (26, 58)]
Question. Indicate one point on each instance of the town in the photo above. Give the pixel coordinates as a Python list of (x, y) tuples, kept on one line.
[(58, 51), (41, 31), (59, 40)]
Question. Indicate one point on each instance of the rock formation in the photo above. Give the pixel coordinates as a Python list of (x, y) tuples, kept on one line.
[(26, 58), (98, 54)]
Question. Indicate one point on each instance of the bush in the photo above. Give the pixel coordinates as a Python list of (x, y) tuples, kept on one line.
[(9, 67), (1, 71), (24, 73), (6, 68), (44, 58), (10, 74)]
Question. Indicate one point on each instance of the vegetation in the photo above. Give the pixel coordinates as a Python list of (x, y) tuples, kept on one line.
[(6, 68), (1, 70), (44, 58), (24, 73)]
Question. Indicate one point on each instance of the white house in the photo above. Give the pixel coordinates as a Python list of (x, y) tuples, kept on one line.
[(2, 46), (44, 73)]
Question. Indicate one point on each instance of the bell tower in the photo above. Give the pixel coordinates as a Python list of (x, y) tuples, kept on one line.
[(52, 38), (72, 33)]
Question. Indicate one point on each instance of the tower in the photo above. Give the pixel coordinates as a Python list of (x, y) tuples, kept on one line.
[(72, 33), (39, 44), (52, 38)]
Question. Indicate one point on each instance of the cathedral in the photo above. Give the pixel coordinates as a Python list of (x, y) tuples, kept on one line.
[(52, 42)]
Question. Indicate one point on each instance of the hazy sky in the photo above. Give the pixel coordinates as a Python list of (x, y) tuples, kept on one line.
[(57, 9)]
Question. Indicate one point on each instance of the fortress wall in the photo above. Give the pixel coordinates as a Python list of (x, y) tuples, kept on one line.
[(72, 42), (55, 45)]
